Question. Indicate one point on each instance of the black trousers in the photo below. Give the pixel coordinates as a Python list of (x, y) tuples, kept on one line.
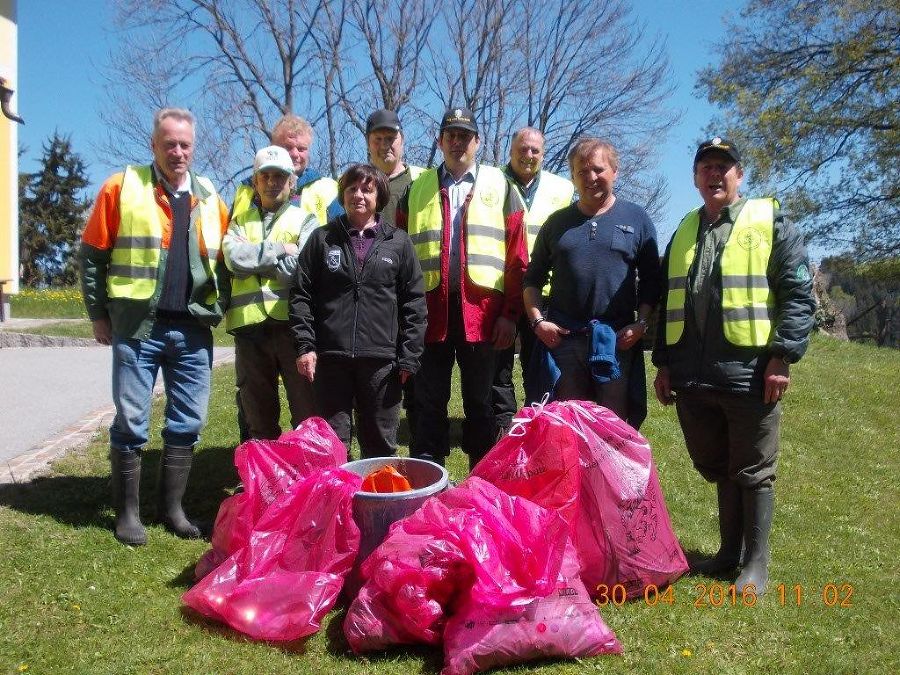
[(503, 396), (374, 385), (476, 362)]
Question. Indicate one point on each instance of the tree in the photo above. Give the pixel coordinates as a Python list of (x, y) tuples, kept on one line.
[(242, 63), (809, 90), (51, 215)]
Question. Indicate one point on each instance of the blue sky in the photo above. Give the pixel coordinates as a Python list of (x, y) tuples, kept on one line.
[(62, 44)]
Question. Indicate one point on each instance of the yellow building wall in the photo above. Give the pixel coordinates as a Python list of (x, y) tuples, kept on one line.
[(9, 165)]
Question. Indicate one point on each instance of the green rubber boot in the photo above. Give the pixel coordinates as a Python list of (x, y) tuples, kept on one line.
[(126, 487), (759, 503), (731, 532), (174, 469)]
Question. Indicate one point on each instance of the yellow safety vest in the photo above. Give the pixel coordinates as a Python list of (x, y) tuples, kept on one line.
[(747, 300), (553, 193), (485, 227), (314, 198), (134, 262), (415, 171), (255, 298)]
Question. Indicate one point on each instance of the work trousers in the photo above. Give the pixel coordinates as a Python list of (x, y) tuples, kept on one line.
[(262, 355), (374, 385), (730, 435), (476, 362)]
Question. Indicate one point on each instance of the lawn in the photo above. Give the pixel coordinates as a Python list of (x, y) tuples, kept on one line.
[(48, 303), (66, 303), (73, 600)]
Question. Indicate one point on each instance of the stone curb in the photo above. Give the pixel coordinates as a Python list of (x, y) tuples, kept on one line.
[(36, 461), (11, 340)]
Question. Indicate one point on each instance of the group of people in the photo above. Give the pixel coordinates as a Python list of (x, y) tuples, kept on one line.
[(359, 295)]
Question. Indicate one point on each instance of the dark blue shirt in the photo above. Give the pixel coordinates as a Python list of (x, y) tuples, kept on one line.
[(603, 266)]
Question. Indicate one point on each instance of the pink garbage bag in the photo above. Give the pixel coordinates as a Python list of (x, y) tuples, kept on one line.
[(565, 623), (289, 574), (473, 541), (267, 468), (612, 500)]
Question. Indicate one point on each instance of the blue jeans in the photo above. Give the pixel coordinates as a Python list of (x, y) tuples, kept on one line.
[(184, 352)]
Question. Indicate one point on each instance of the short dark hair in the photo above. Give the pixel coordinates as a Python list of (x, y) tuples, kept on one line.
[(366, 173)]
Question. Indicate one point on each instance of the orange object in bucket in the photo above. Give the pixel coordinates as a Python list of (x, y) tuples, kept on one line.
[(386, 479)]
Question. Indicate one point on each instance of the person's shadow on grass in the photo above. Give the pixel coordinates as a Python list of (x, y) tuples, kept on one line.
[(86, 501)]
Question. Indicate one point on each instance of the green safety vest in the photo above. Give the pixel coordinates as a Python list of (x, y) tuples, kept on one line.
[(255, 298), (747, 300), (553, 193), (314, 198), (134, 262), (485, 227)]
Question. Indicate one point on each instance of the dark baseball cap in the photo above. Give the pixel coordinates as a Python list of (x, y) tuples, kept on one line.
[(459, 118), (382, 119), (717, 144)]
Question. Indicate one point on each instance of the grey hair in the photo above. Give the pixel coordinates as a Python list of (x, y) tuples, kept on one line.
[(525, 131), (181, 114)]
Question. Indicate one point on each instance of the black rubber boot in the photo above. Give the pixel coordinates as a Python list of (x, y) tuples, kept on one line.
[(174, 468), (731, 531), (126, 488), (759, 503)]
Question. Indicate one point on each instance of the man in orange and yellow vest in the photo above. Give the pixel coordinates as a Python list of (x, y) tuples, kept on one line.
[(737, 309), (467, 225), (151, 264)]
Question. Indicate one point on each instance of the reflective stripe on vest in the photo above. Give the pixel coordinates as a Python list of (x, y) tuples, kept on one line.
[(314, 198), (255, 298), (485, 227), (553, 193), (134, 262), (747, 300), (414, 171)]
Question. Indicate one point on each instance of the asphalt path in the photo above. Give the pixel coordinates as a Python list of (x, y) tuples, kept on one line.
[(45, 390)]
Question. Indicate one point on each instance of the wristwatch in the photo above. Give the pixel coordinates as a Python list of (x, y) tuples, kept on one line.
[(535, 322)]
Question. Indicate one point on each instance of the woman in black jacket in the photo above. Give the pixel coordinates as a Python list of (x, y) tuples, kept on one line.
[(358, 314)]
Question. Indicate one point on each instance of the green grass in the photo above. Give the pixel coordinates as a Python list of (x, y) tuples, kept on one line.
[(74, 600), (48, 303), (82, 329)]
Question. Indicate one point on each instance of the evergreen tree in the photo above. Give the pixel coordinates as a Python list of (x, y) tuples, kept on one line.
[(51, 215)]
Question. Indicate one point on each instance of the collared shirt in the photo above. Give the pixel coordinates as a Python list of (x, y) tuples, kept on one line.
[(711, 240), (527, 191), (458, 192), (361, 242), (171, 189)]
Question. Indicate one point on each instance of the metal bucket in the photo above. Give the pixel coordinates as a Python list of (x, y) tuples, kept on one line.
[(374, 512)]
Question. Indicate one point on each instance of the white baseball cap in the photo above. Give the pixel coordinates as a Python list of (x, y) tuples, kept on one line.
[(273, 157)]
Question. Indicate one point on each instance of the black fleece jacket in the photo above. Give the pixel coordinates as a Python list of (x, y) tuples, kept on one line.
[(378, 312)]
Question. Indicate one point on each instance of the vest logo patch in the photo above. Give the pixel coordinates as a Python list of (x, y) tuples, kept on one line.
[(387, 260), (333, 259), (489, 198), (749, 239)]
